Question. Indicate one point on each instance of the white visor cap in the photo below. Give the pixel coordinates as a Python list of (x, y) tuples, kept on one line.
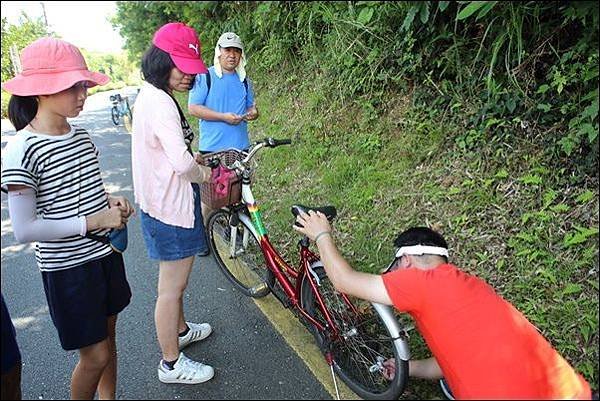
[(421, 250)]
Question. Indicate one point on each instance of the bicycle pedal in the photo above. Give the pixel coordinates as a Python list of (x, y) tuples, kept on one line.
[(258, 288), (281, 297)]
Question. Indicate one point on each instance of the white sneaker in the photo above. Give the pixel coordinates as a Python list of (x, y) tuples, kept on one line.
[(197, 332), (185, 371)]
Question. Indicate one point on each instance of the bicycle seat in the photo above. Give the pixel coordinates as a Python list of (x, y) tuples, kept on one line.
[(329, 211)]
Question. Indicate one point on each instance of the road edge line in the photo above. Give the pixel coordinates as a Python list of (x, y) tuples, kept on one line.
[(303, 343)]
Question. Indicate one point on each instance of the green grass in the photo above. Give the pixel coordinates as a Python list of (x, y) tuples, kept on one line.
[(510, 216)]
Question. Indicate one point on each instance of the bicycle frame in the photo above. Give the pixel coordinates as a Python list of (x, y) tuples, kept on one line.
[(352, 341), (284, 273), (122, 107)]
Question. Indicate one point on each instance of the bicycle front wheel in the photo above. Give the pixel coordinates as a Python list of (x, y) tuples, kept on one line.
[(128, 116), (114, 113), (127, 121), (364, 342), (238, 253)]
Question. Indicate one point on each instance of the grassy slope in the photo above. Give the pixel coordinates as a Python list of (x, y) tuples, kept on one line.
[(507, 214)]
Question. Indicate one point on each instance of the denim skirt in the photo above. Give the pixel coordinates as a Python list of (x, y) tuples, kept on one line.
[(168, 242)]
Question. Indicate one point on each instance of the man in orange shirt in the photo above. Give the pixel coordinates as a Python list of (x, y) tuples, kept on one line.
[(482, 345)]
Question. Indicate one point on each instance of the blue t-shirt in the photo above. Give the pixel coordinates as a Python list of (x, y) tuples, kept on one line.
[(227, 95), (10, 349)]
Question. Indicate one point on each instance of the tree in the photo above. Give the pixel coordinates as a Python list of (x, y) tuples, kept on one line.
[(18, 36), (14, 39)]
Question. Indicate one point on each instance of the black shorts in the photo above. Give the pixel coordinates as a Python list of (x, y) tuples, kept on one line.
[(81, 299)]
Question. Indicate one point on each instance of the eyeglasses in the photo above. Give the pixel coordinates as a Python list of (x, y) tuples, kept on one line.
[(392, 266)]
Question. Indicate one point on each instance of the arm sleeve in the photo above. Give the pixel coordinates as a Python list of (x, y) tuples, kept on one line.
[(27, 227), (199, 91)]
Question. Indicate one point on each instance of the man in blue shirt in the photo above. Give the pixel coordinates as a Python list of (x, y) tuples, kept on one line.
[(223, 99)]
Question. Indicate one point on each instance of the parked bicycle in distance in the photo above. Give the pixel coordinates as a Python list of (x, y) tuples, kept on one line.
[(121, 109), (355, 336)]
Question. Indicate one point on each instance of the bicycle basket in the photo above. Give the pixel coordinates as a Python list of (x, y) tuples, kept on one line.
[(225, 186)]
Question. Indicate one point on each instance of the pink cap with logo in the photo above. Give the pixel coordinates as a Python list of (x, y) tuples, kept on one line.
[(183, 45), (50, 66)]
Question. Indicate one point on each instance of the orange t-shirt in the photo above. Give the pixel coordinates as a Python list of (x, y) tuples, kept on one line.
[(485, 347)]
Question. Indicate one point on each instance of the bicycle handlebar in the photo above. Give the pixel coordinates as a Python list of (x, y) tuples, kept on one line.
[(268, 142), (272, 143), (213, 162)]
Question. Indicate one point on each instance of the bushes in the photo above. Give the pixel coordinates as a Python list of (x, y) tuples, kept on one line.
[(5, 99), (121, 70), (16, 37), (532, 64), (479, 119)]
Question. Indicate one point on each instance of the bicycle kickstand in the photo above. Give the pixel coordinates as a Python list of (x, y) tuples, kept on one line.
[(329, 359)]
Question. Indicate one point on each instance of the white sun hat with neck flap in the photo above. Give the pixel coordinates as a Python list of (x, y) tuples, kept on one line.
[(230, 39)]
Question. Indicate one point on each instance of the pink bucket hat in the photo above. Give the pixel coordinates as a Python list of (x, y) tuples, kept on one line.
[(183, 45), (50, 66)]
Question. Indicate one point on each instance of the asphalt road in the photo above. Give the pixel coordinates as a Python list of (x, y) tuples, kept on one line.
[(251, 359)]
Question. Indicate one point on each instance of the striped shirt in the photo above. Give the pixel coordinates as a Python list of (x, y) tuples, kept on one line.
[(65, 173)]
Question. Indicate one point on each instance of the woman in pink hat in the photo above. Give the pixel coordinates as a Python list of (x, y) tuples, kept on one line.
[(56, 198), (165, 180)]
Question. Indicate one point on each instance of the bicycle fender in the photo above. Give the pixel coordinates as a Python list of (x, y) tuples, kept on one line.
[(246, 219), (387, 314), (313, 273)]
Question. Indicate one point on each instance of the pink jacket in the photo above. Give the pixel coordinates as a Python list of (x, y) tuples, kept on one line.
[(162, 167)]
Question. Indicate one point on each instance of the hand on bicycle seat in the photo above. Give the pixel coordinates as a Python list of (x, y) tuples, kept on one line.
[(312, 224), (329, 211)]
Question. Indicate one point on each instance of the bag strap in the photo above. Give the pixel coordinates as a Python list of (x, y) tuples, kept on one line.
[(184, 123), (245, 81)]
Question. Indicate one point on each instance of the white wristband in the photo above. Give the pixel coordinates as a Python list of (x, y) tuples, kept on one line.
[(319, 235)]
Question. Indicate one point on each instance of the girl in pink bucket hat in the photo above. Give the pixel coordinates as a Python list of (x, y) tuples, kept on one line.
[(56, 198), (165, 182)]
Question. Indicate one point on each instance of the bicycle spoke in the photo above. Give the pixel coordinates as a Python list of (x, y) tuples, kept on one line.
[(238, 255), (359, 346), (362, 346)]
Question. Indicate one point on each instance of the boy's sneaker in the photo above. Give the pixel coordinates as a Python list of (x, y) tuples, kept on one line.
[(196, 332), (446, 389), (185, 371)]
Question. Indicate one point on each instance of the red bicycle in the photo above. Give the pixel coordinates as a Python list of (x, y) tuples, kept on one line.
[(355, 336)]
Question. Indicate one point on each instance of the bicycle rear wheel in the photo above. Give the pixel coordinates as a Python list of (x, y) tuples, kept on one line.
[(238, 253), (364, 343)]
